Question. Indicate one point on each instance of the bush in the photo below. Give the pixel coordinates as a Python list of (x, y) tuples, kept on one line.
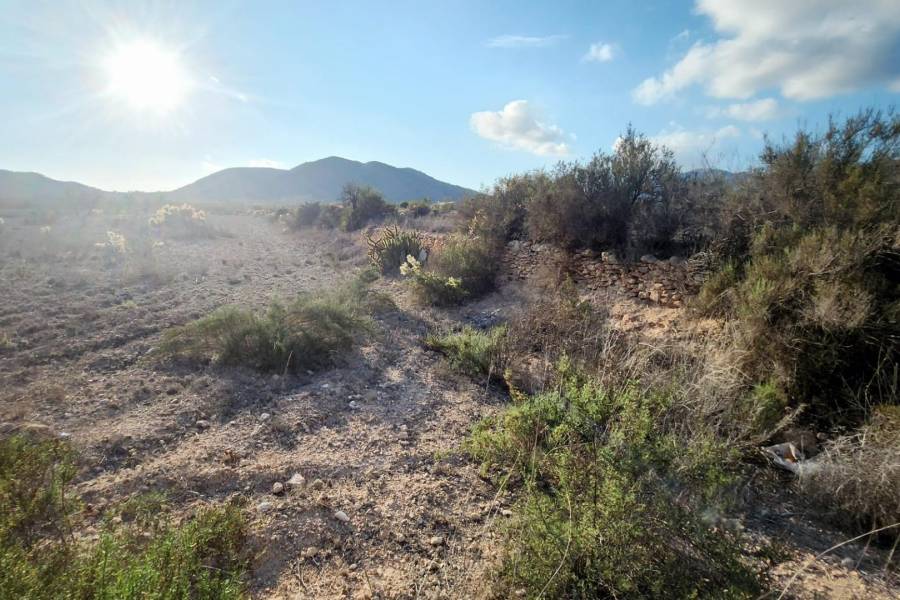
[(475, 353), (330, 216), (811, 275), (181, 221), (390, 249), (153, 557), (307, 215), (309, 333), (34, 477), (462, 269), (634, 200), (611, 498), (362, 205), (499, 216), (857, 477)]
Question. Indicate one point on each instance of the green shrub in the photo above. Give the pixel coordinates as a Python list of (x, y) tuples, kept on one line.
[(500, 215), (460, 270), (150, 557), (390, 249), (429, 287), (309, 333), (307, 215), (476, 353), (811, 274), (362, 205), (612, 501), (472, 260), (34, 478)]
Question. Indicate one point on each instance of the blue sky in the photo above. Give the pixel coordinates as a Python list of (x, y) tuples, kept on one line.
[(465, 91)]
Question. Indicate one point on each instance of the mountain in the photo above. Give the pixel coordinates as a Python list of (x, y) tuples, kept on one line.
[(33, 189), (317, 180)]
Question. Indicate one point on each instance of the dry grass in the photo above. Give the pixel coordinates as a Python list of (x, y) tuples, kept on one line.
[(857, 477)]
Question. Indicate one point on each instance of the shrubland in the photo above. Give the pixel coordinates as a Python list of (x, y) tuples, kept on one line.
[(357, 207), (625, 456)]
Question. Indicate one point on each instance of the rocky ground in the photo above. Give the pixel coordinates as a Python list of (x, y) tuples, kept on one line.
[(352, 478)]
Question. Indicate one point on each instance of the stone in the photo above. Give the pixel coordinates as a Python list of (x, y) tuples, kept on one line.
[(264, 507), (649, 259), (317, 484), (202, 424), (265, 417), (277, 488), (295, 481), (436, 540), (341, 516)]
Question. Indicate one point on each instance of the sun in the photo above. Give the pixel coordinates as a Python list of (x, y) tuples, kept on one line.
[(147, 76)]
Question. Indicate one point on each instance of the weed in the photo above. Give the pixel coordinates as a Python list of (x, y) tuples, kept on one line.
[(473, 352)]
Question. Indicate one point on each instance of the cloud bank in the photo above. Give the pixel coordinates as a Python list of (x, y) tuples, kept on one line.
[(805, 48)]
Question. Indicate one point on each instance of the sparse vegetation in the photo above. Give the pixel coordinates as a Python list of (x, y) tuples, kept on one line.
[(151, 557), (310, 332), (613, 500)]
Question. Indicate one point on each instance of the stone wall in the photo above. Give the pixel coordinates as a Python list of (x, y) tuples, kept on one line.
[(667, 282)]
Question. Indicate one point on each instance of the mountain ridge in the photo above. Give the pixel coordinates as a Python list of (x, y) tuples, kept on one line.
[(319, 180)]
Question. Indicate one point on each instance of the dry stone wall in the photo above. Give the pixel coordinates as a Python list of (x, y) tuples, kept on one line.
[(666, 282)]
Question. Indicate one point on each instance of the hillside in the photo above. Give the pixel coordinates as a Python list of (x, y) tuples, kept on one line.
[(35, 189), (317, 180)]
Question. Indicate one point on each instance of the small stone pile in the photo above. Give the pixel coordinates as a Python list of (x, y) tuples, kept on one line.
[(666, 282)]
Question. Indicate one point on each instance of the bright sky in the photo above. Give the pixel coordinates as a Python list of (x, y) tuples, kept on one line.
[(152, 95)]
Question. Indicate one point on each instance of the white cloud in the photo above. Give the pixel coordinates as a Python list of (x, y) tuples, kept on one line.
[(691, 148), (524, 41), (806, 48), (518, 126), (764, 109), (599, 52), (266, 162)]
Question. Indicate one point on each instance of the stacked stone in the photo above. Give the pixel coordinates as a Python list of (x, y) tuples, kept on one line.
[(665, 282)]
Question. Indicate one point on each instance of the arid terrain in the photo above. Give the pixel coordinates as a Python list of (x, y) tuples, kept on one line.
[(352, 478)]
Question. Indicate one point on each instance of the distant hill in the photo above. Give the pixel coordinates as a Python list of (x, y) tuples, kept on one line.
[(33, 189), (318, 180)]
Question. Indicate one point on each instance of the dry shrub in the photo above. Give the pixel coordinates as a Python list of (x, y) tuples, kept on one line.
[(857, 477), (181, 221)]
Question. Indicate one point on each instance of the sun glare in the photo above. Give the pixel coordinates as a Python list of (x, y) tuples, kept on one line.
[(147, 76)]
